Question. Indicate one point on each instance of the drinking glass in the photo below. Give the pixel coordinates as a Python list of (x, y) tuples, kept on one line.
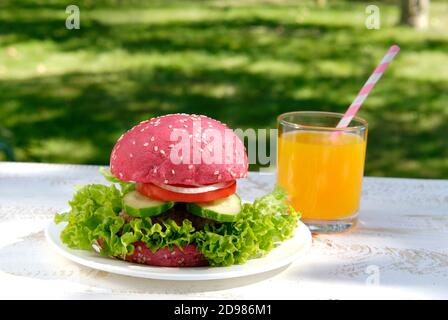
[(321, 167)]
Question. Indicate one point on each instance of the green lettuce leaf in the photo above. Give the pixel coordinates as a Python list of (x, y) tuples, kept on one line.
[(124, 185), (165, 234), (92, 206), (261, 226)]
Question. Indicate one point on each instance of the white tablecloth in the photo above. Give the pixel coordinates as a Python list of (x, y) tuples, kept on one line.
[(399, 249)]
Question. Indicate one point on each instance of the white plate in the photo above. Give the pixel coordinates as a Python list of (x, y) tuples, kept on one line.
[(286, 253)]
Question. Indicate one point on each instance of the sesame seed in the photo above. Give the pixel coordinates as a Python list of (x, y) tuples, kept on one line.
[(152, 138), (146, 144), (216, 172), (165, 181), (143, 129), (170, 126), (190, 166), (133, 142), (155, 170), (172, 171), (121, 175), (156, 148), (131, 155), (185, 126), (171, 146), (162, 152)]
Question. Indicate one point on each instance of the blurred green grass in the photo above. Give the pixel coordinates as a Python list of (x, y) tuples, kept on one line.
[(67, 95)]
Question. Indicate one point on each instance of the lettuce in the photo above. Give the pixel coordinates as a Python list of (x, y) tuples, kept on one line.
[(94, 207), (166, 234), (125, 186), (94, 216), (259, 229)]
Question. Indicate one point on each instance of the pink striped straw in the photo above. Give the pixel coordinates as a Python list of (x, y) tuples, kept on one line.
[(368, 86)]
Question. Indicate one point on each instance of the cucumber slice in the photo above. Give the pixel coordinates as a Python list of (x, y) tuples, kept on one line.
[(138, 205), (222, 210)]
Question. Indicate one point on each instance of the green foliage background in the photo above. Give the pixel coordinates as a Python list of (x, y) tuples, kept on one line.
[(67, 95)]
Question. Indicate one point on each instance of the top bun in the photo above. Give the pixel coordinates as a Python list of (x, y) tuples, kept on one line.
[(179, 149)]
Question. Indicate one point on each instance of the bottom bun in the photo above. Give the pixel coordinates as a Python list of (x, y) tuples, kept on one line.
[(187, 256)]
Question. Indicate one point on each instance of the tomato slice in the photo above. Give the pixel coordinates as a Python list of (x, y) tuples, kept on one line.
[(153, 191)]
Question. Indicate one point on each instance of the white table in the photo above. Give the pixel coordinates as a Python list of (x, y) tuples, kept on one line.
[(399, 249)]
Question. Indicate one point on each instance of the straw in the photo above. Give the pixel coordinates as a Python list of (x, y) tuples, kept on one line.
[(368, 86)]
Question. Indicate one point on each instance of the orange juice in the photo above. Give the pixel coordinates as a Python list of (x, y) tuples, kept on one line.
[(322, 172)]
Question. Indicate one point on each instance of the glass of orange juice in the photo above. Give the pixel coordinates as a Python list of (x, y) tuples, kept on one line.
[(321, 167)]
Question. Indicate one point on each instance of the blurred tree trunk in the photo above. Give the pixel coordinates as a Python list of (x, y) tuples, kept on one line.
[(321, 3), (415, 13)]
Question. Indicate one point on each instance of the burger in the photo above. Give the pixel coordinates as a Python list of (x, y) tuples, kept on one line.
[(171, 160), (173, 200)]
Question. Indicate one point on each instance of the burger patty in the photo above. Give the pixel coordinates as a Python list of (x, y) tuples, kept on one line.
[(187, 256), (178, 213)]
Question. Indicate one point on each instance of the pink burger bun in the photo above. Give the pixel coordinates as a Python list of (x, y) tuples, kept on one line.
[(142, 154)]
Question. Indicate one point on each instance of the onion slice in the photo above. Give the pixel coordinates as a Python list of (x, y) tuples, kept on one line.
[(193, 190)]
